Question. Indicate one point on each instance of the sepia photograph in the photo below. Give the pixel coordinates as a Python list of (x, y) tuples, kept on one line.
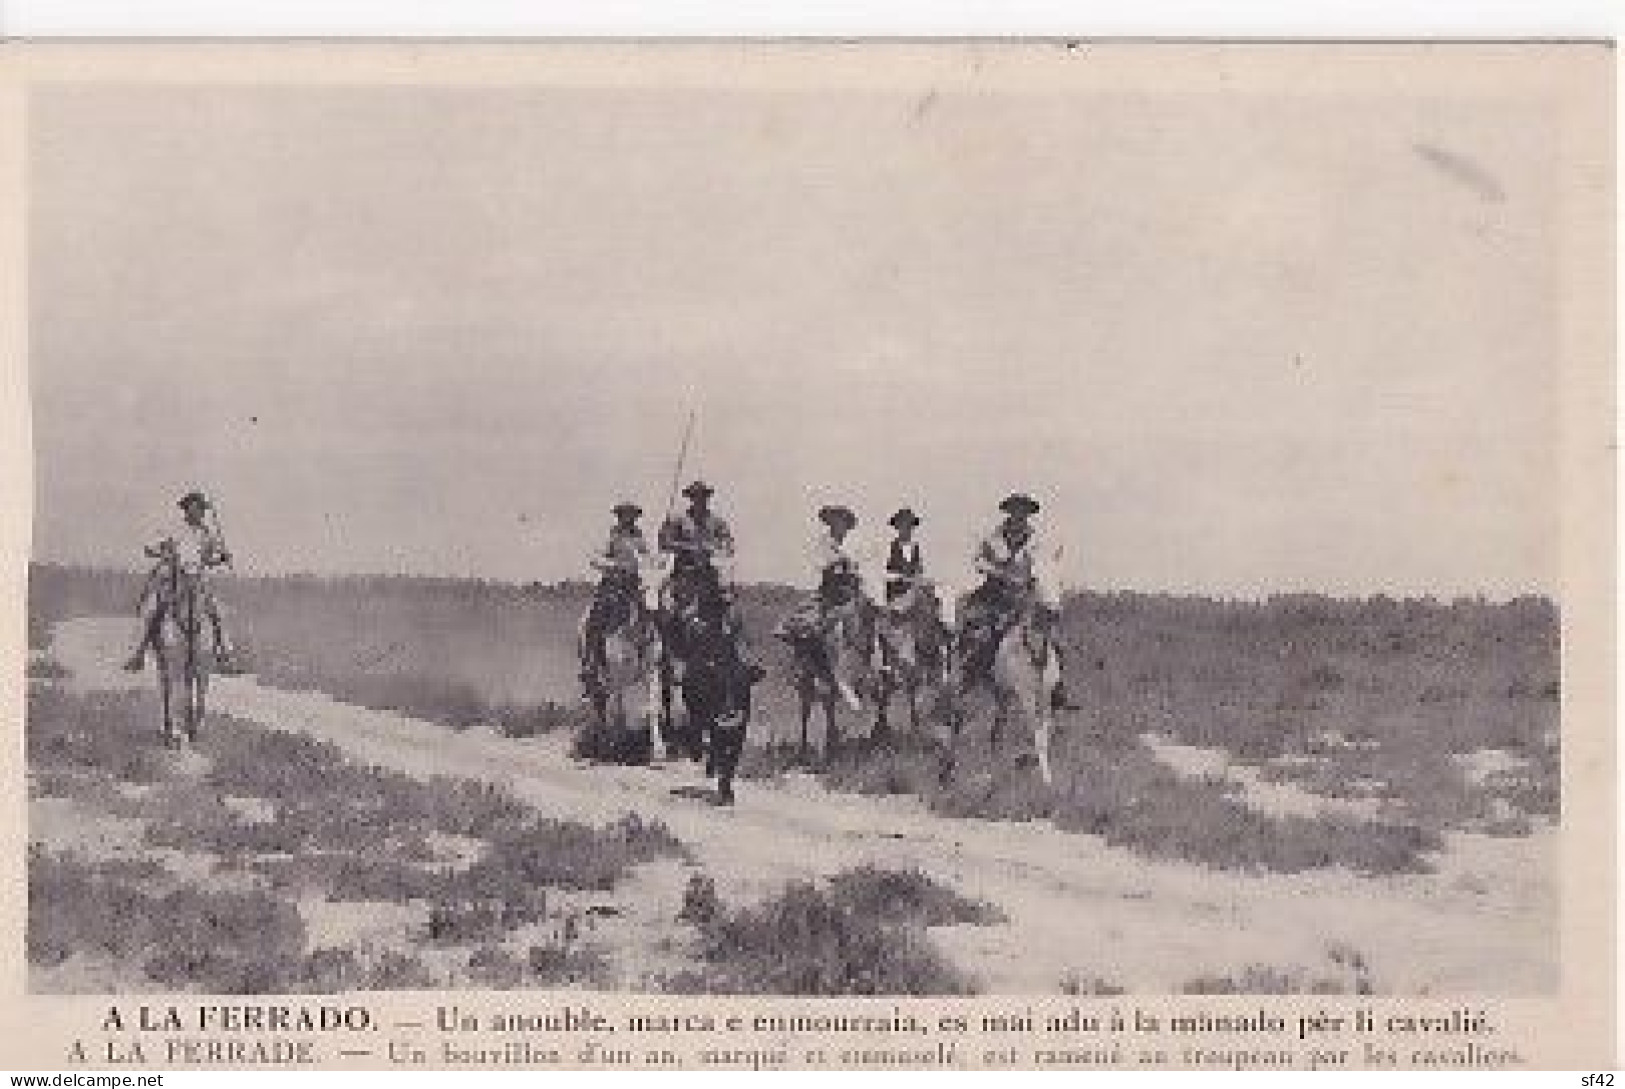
[(1006, 521)]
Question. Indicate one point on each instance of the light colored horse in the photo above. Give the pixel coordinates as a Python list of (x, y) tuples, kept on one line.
[(184, 653), (840, 668), (1026, 668), (914, 654), (626, 689)]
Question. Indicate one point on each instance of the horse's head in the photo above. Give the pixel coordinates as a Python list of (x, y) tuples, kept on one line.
[(708, 625), (653, 573), (649, 592), (921, 602), (916, 632)]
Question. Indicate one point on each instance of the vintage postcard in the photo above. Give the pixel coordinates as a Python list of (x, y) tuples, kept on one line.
[(766, 555)]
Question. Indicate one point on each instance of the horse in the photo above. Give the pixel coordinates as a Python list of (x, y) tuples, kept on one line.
[(184, 654), (834, 663), (717, 699), (1026, 667), (625, 685), (914, 654), (702, 663)]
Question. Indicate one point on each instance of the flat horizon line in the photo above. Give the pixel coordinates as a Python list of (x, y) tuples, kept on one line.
[(1262, 598)]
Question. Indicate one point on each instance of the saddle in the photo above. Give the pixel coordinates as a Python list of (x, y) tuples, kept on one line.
[(985, 628), (179, 596), (917, 614)]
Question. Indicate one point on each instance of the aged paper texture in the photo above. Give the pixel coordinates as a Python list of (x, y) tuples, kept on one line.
[(765, 555)]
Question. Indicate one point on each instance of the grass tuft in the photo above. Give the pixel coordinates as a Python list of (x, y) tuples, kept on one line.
[(863, 935)]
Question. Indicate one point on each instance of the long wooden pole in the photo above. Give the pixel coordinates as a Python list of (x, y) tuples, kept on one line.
[(220, 532), (677, 470)]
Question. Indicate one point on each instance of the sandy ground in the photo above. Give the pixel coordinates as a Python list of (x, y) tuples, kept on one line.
[(1484, 923)]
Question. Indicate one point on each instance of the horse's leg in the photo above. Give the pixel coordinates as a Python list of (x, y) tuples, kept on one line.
[(691, 738), (832, 729), (1001, 711), (183, 704), (164, 664), (948, 750), (193, 712), (646, 716), (1044, 712), (804, 697), (632, 743), (696, 715), (1041, 733), (663, 679), (883, 695), (694, 728), (615, 716), (197, 675), (732, 746), (200, 702), (712, 730), (722, 762), (599, 701), (726, 760)]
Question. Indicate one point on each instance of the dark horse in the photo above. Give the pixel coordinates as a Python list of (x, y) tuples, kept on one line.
[(702, 660)]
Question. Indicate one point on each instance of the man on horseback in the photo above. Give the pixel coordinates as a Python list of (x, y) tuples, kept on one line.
[(195, 549), (1010, 562), (905, 567), (619, 596), (910, 597), (701, 544), (838, 584)]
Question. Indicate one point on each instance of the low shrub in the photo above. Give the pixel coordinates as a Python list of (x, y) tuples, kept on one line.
[(862, 936), (908, 896)]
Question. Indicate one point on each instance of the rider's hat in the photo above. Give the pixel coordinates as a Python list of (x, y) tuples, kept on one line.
[(1019, 503), (835, 513), (699, 490), (904, 517), (626, 509), (193, 499)]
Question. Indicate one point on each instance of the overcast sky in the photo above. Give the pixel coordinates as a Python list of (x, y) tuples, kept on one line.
[(1235, 344)]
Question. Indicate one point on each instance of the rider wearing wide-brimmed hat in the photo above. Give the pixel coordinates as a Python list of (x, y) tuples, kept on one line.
[(910, 598), (190, 553), (619, 563), (1012, 565), (905, 565), (836, 572), (701, 544), (700, 541)]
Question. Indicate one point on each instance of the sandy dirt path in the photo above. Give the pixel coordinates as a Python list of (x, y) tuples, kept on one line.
[(1483, 923)]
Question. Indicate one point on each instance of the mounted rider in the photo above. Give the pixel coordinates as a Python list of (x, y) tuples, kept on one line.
[(837, 577), (701, 544), (1015, 572), (619, 595), (194, 549), (910, 597), (905, 565)]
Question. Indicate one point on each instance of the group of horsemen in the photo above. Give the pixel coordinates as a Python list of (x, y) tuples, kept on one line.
[(701, 546)]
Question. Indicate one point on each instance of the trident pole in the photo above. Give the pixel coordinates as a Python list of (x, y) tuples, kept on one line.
[(220, 532), (677, 470)]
